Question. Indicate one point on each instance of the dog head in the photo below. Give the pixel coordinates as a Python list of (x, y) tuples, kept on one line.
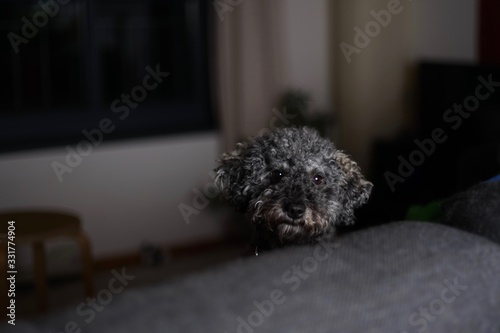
[(293, 183)]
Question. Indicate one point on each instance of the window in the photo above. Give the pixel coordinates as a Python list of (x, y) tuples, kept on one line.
[(68, 64)]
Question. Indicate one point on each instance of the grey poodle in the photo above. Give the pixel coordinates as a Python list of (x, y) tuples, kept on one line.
[(294, 184)]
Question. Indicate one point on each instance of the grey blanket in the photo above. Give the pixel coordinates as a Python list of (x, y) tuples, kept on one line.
[(400, 277)]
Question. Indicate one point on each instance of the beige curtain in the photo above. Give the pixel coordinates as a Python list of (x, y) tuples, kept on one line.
[(249, 65)]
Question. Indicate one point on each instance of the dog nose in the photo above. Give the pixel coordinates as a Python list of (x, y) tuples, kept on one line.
[(295, 211)]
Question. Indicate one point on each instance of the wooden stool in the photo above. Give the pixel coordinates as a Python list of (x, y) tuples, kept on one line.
[(36, 227)]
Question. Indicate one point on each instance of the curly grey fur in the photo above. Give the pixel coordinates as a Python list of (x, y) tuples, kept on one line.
[(294, 184)]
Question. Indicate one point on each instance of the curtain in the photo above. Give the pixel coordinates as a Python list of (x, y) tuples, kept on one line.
[(249, 63)]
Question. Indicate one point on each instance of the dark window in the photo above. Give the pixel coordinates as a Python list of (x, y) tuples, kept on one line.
[(67, 64)]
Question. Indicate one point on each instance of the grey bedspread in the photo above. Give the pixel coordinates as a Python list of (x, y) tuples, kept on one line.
[(399, 277)]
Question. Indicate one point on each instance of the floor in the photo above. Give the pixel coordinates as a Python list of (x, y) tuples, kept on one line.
[(70, 292)]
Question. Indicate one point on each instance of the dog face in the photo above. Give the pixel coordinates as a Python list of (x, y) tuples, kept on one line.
[(292, 182)]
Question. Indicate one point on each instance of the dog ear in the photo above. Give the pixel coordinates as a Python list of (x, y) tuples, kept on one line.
[(234, 175), (356, 188)]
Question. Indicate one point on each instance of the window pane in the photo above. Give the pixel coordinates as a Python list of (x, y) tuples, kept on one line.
[(42, 63), (133, 35)]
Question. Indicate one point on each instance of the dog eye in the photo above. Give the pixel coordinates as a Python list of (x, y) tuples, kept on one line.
[(318, 179), (276, 175)]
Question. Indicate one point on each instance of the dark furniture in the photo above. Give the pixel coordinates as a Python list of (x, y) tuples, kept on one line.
[(36, 228)]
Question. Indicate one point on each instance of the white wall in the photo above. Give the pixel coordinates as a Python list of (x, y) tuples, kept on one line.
[(371, 86), (126, 192), (446, 30), (374, 92)]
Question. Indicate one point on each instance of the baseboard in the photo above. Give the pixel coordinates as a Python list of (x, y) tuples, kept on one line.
[(135, 258)]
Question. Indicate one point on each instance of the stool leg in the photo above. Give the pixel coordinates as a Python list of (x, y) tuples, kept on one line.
[(3, 281), (87, 263), (40, 277)]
